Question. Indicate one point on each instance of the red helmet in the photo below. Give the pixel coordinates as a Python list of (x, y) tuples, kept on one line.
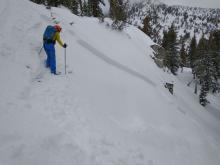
[(58, 28)]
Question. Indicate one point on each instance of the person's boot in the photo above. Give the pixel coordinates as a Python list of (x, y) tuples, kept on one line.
[(56, 73)]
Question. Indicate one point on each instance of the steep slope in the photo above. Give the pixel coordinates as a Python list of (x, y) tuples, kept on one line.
[(112, 109)]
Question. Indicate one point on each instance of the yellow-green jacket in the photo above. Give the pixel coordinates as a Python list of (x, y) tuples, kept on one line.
[(57, 38)]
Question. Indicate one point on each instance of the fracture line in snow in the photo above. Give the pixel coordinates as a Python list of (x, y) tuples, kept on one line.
[(114, 63)]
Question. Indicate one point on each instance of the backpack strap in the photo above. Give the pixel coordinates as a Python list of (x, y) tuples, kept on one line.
[(48, 41)]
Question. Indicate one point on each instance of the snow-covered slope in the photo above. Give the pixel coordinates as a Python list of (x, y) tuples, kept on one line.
[(112, 109)]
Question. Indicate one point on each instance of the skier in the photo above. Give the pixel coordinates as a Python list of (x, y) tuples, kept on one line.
[(51, 35)]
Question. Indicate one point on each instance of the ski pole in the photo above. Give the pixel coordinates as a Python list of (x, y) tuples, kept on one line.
[(40, 50), (65, 59)]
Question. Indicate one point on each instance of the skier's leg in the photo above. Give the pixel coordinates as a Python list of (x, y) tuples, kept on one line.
[(47, 50), (52, 59)]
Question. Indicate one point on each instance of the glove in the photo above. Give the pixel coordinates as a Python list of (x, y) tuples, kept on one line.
[(64, 45)]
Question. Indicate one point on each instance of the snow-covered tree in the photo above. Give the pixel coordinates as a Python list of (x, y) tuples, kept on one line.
[(205, 69), (118, 11)]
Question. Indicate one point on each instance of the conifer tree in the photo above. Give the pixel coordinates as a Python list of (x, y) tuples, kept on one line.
[(204, 69), (67, 3), (203, 93), (74, 6), (165, 40), (147, 29), (171, 46), (192, 52), (118, 12), (183, 55), (215, 46), (55, 3), (94, 7), (39, 1), (86, 11), (89, 7)]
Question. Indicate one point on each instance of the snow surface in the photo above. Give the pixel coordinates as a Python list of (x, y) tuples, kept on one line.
[(112, 109)]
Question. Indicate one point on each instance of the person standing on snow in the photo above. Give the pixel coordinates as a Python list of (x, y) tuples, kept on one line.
[(51, 35)]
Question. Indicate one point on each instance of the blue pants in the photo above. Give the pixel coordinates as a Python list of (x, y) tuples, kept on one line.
[(51, 58)]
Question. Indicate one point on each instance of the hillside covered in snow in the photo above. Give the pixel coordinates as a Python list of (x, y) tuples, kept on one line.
[(111, 108), (187, 20)]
